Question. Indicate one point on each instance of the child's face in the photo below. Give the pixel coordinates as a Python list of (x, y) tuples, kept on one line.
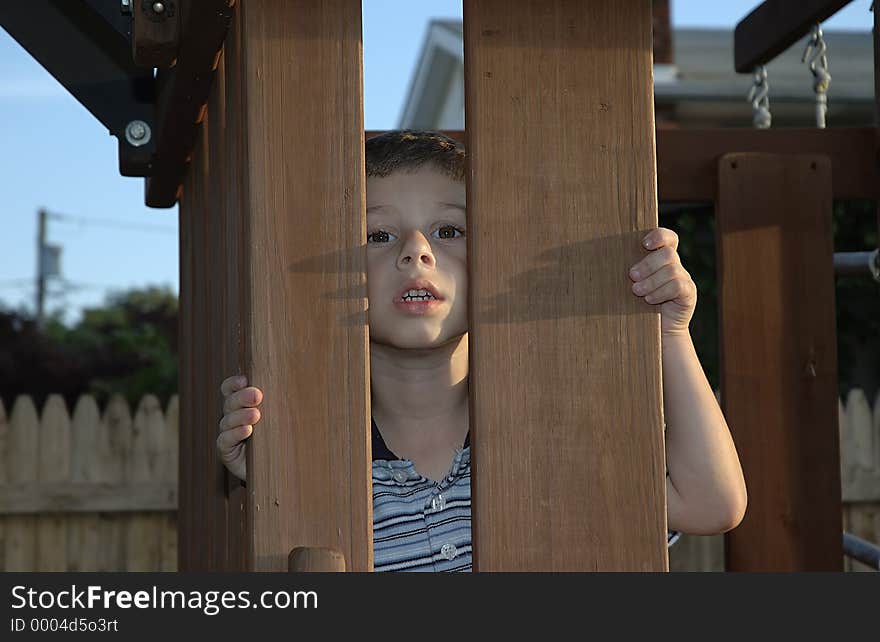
[(416, 230)]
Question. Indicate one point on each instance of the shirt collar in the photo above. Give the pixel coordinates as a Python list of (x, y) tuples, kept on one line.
[(381, 450)]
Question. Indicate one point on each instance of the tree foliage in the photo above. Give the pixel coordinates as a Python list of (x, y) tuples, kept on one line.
[(128, 346)]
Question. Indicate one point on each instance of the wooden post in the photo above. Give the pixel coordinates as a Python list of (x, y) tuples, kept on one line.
[(154, 34), (273, 213), (779, 358), (566, 407)]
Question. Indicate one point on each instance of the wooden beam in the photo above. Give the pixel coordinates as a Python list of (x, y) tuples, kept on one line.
[(687, 159), (86, 497), (779, 359), (154, 34), (774, 26), (566, 408), (876, 38), (279, 285), (183, 92)]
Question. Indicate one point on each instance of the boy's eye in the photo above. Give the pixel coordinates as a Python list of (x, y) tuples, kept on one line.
[(448, 232), (379, 236)]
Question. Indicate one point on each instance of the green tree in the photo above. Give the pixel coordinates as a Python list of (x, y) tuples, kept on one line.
[(127, 346)]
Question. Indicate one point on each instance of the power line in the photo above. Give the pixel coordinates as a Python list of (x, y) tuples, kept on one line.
[(103, 222)]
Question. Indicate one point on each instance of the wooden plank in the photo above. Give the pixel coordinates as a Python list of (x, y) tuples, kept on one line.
[(87, 497), (4, 449), (304, 320), (214, 129), (143, 532), (203, 421), (183, 90), (779, 359), (117, 427), (187, 528), (154, 35), (53, 466), (21, 467), (687, 159), (774, 26), (876, 38), (83, 545), (234, 309), (566, 406), (169, 475)]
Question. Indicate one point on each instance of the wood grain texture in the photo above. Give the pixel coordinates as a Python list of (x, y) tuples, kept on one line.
[(687, 159), (53, 466), (566, 406), (275, 198), (154, 36), (21, 459), (233, 313), (305, 279), (779, 359)]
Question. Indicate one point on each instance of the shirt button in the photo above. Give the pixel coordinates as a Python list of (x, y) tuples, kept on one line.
[(449, 551), (438, 503), (400, 476)]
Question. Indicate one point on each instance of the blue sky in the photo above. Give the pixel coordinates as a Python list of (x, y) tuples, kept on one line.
[(55, 155)]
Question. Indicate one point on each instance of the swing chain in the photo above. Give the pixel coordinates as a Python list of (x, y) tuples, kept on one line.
[(815, 56), (759, 96)]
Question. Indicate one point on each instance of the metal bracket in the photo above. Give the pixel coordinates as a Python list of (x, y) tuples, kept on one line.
[(84, 45)]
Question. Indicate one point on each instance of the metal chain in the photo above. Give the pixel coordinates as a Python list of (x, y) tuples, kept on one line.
[(818, 61), (759, 96)]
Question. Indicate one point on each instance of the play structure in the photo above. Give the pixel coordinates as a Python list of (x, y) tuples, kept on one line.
[(253, 124)]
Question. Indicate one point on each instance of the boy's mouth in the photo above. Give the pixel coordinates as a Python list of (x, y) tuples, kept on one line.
[(418, 290)]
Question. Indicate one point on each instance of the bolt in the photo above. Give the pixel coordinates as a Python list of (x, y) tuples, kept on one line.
[(125, 7), (158, 7), (137, 133)]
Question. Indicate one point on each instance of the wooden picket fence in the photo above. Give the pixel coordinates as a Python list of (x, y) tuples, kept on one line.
[(98, 492)]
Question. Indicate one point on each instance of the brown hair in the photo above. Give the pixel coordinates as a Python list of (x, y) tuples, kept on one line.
[(409, 149)]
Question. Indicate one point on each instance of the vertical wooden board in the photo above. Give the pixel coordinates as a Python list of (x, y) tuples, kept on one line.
[(86, 439), (53, 466), (202, 387), (566, 405), (21, 468), (779, 359), (4, 449), (304, 278), (187, 496), (143, 529), (168, 472), (234, 217), (116, 454), (217, 292)]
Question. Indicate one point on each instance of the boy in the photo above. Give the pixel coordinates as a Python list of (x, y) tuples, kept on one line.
[(417, 289)]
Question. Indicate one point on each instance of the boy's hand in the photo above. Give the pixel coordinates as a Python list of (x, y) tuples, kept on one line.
[(240, 413), (661, 280)]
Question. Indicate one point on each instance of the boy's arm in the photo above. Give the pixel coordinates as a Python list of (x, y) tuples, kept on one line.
[(705, 489)]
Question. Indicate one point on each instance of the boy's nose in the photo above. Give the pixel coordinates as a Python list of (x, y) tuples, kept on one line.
[(416, 248)]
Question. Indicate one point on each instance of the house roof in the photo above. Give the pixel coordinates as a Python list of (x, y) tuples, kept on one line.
[(702, 85)]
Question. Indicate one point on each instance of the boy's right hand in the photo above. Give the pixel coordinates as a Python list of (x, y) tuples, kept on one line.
[(240, 413)]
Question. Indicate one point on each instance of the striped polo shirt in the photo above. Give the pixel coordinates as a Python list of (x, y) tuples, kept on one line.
[(420, 524)]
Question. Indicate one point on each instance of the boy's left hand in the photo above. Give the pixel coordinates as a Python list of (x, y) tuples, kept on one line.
[(661, 280)]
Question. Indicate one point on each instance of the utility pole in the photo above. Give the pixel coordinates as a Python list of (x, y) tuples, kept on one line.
[(41, 263)]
